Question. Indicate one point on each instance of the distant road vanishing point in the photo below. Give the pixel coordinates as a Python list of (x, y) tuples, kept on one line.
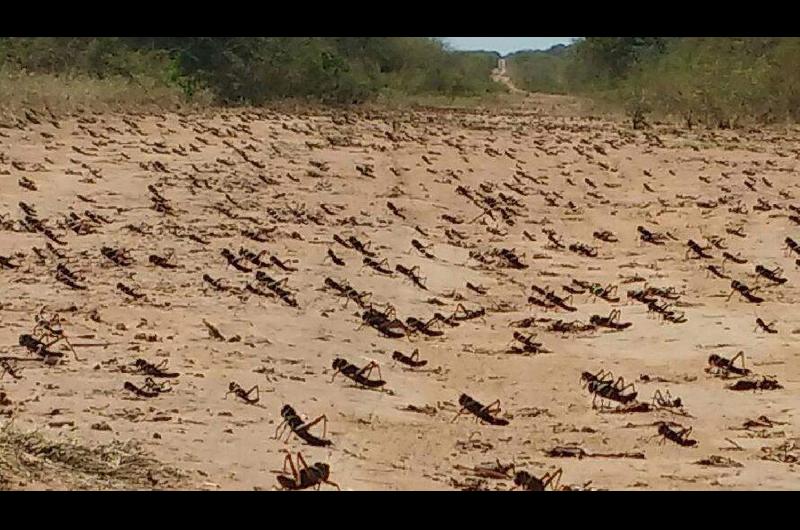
[(500, 75)]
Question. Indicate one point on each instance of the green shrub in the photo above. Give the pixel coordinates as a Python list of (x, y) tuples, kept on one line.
[(714, 80), (238, 70)]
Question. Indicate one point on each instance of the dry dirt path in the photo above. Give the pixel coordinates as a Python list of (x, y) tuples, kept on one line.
[(281, 186), (500, 75)]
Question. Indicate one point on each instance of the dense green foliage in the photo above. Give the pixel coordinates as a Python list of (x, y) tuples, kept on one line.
[(255, 70), (538, 71), (719, 81), (716, 80)]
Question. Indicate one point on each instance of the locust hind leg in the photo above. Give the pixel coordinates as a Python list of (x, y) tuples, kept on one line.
[(287, 458), (258, 393), (621, 381), (368, 369), (737, 356), (324, 420), (301, 461), (554, 479), (493, 407), (295, 474), (658, 398), (431, 322), (69, 345)]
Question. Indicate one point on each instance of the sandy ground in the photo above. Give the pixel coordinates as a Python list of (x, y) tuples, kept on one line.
[(298, 183)]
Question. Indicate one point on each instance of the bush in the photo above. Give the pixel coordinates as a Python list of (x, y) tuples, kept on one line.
[(718, 81), (537, 71), (241, 70)]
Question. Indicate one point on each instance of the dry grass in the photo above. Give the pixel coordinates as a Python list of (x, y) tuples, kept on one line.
[(70, 94), (64, 94), (31, 461)]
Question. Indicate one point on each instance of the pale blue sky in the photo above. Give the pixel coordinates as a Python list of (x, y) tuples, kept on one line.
[(505, 45)]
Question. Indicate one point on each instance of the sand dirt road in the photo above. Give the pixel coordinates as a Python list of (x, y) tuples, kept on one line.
[(500, 75), (282, 185)]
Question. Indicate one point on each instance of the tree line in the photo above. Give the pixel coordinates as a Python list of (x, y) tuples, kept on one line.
[(720, 81), (255, 70)]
